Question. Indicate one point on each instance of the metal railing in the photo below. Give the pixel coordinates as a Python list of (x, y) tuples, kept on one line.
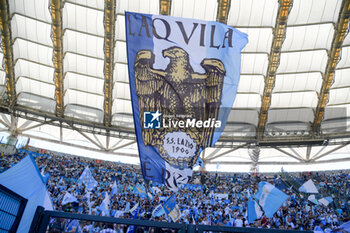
[(42, 219), (12, 207)]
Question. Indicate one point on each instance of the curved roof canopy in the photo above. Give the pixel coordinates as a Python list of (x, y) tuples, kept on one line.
[(64, 71)]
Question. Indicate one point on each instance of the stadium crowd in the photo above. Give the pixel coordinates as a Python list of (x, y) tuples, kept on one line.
[(212, 199)]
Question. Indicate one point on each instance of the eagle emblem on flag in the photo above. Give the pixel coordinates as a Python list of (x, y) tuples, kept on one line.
[(182, 93)]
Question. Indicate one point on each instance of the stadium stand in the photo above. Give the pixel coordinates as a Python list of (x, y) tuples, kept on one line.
[(211, 199)]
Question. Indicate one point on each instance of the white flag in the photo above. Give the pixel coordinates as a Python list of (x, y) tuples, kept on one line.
[(68, 198), (325, 201), (87, 178), (158, 211), (313, 199), (308, 187), (133, 210)]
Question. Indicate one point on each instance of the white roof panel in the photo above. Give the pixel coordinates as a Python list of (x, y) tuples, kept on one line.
[(298, 82), (341, 78), (291, 115), (38, 9), (309, 37), (294, 100), (253, 13), (250, 116), (120, 73), (309, 12), (36, 102), (84, 113), (83, 83), (196, 9), (89, 20), (344, 58), (309, 61), (121, 91), (251, 84), (33, 70), (30, 29), (120, 28), (32, 51), (33, 86), (339, 96), (98, 4), (82, 43), (2, 77), (83, 65), (260, 39), (120, 52), (254, 63), (247, 101), (121, 106), (144, 6), (73, 96)]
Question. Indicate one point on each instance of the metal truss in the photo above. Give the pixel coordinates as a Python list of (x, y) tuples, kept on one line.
[(164, 7), (340, 32), (279, 34), (109, 43), (56, 15), (6, 38), (223, 11)]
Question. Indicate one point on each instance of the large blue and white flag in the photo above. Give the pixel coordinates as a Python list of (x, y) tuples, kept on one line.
[(325, 200), (254, 211), (87, 178), (270, 198), (25, 179), (308, 187), (183, 76)]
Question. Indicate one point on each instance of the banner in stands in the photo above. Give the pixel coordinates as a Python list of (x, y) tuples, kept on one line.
[(183, 77), (25, 179)]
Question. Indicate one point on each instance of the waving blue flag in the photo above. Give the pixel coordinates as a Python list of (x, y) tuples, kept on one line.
[(253, 210), (140, 190), (183, 77), (270, 198), (170, 204)]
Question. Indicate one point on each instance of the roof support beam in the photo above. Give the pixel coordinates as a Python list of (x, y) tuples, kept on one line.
[(329, 152), (109, 24), (223, 11), (333, 59), (164, 7), (226, 152), (279, 34), (5, 26), (284, 163), (56, 15), (289, 154), (133, 155), (308, 152), (122, 146)]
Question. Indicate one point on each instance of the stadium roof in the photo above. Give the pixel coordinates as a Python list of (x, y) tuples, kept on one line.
[(64, 75)]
